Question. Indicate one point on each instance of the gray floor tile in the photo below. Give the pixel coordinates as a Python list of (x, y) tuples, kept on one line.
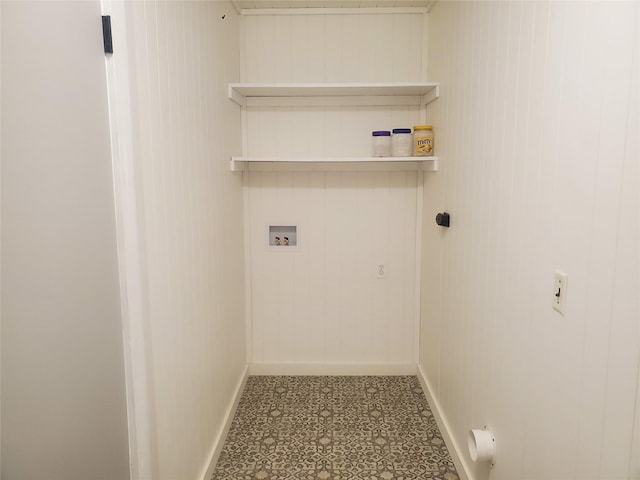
[(334, 428)]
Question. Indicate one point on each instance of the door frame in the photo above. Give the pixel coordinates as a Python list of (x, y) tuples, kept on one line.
[(128, 193)]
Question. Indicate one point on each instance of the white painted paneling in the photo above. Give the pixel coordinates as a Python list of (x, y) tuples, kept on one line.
[(322, 304), (183, 55), (537, 138), (263, 4), (333, 48), (328, 48)]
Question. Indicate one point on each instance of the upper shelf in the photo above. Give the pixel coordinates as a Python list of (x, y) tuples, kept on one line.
[(291, 94)]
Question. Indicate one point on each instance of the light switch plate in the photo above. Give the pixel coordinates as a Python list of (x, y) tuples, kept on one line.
[(559, 290)]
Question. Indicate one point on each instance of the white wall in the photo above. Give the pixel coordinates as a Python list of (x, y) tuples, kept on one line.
[(63, 388), (322, 304), (537, 132), (182, 56)]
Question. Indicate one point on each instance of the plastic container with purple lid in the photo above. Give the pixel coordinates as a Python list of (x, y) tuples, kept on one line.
[(381, 143), (401, 142)]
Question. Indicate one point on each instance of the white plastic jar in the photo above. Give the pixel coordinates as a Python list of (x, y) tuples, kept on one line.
[(401, 142), (380, 143)]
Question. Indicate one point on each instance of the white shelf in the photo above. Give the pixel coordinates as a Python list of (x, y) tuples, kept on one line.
[(429, 164), (291, 94), (333, 94)]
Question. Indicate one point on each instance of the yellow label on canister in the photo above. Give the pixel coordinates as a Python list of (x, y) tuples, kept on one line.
[(423, 144)]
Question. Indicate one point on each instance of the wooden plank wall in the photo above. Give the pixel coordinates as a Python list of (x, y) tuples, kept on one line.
[(184, 55), (537, 132), (322, 304)]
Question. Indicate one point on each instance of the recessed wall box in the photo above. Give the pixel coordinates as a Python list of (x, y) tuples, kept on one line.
[(283, 236)]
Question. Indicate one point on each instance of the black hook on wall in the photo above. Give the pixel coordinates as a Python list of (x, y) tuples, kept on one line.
[(443, 219)]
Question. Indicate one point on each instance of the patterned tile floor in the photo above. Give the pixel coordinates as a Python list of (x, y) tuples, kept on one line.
[(334, 428)]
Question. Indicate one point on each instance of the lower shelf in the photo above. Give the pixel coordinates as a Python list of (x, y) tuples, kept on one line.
[(426, 164)]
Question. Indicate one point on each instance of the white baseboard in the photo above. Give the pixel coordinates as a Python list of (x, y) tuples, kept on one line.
[(332, 369), (228, 418), (464, 472)]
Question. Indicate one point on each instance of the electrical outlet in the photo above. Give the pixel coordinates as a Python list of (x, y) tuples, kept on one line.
[(381, 271), (559, 290)]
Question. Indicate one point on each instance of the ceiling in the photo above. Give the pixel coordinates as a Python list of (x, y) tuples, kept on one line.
[(253, 4)]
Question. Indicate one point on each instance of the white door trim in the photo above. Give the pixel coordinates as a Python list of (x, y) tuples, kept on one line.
[(121, 87)]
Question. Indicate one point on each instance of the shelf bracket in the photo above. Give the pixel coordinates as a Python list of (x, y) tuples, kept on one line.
[(430, 166), (236, 165), (431, 95), (236, 97)]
